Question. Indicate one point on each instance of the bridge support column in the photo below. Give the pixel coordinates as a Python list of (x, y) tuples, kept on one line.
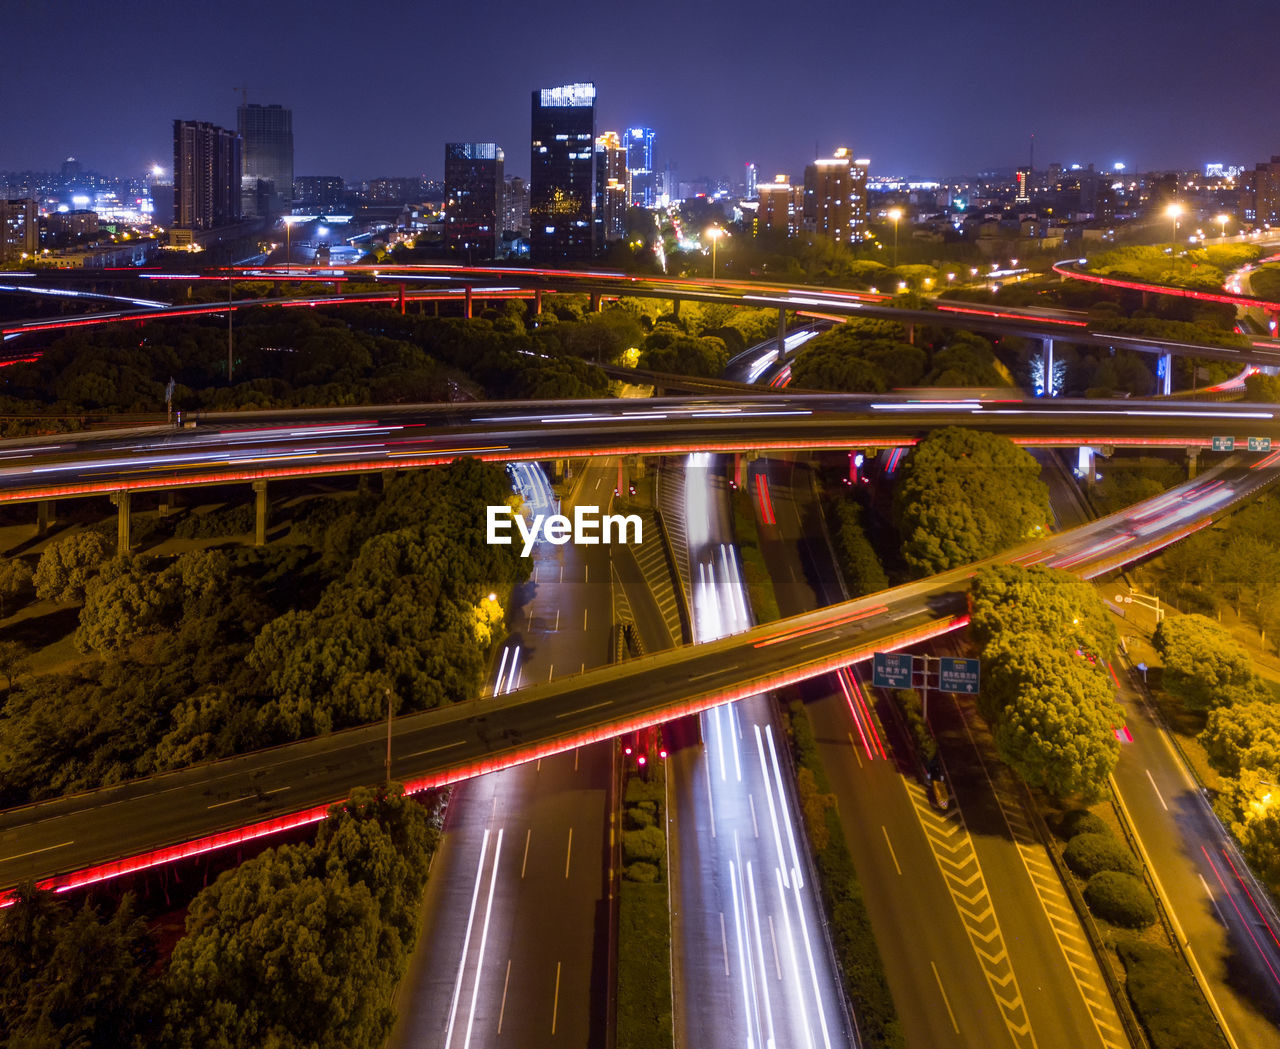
[(595, 302), (122, 501), (1046, 359), (44, 516), (537, 303), (260, 513), (1086, 464), (1193, 454), (401, 300), (1164, 372), (636, 467), (387, 477), (168, 503), (675, 308), (467, 306), (782, 333)]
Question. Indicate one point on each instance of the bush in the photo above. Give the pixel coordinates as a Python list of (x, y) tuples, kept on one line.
[(648, 844), (1082, 821), (1167, 1003), (216, 524), (645, 873), (644, 968), (1120, 899), (641, 816), (1090, 854)]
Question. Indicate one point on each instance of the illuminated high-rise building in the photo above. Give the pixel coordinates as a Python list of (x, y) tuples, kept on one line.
[(1261, 195), (613, 188), (753, 179), (266, 137), (515, 206), (1022, 186), (562, 173), (19, 232), (644, 180), (835, 197), (778, 212), (473, 198), (206, 178)]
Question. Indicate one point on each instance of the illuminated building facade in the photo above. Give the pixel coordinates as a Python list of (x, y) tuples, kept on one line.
[(266, 137), (778, 212), (1261, 194), (206, 178), (323, 192), (644, 180), (835, 197), (515, 206), (613, 188), (473, 198), (562, 173), (753, 179), (19, 230), (1022, 186)]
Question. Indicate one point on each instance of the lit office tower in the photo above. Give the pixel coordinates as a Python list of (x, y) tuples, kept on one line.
[(515, 206), (777, 212), (835, 197), (644, 180), (473, 199), (1022, 186), (613, 188), (561, 173), (753, 179), (266, 136), (206, 178)]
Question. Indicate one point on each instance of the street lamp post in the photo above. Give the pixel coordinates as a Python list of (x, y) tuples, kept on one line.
[(715, 233), (1145, 600), (895, 214), (1174, 212), (1222, 221)]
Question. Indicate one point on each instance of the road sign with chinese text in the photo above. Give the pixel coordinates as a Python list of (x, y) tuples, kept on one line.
[(1259, 444), (891, 670), (1224, 444), (958, 675)]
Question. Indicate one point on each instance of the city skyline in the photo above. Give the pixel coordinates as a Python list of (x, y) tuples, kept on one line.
[(1109, 85)]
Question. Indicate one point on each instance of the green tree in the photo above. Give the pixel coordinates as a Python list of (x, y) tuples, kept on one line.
[(1242, 736), (1054, 716), (1010, 599), (124, 601), (65, 566), (1204, 666), (15, 580), (964, 495)]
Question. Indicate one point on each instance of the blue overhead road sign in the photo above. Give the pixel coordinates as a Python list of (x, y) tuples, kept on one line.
[(958, 675), (891, 670)]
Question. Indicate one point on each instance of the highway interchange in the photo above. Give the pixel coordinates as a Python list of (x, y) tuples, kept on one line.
[(264, 785)]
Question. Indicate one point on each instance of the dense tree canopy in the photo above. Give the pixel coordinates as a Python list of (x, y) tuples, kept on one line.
[(1204, 665), (1008, 599), (964, 495)]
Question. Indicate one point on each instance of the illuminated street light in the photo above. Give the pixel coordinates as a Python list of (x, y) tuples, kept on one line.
[(1222, 221), (715, 233), (1174, 212), (895, 214)]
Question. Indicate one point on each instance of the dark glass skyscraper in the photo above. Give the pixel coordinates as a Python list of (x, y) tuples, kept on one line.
[(473, 199), (206, 177), (562, 170), (266, 135), (644, 180)]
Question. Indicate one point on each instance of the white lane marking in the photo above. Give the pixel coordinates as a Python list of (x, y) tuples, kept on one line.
[(583, 710), (232, 801), (892, 855), (568, 852), (466, 941), (502, 668), (1157, 790), (484, 938), (47, 848), (715, 714), (528, 834), (710, 800), (945, 1001), (755, 827), (736, 735), (1209, 892), (854, 745), (584, 619), (773, 939), (433, 750), (724, 944)]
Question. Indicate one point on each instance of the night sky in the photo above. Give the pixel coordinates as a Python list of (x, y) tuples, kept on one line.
[(930, 88)]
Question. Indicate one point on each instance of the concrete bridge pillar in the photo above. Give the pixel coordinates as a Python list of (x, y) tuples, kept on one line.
[(595, 302), (401, 300), (260, 513), (466, 309), (1192, 455), (537, 303), (1164, 373), (1046, 359), (636, 467), (168, 502), (44, 516), (1086, 464), (123, 508)]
